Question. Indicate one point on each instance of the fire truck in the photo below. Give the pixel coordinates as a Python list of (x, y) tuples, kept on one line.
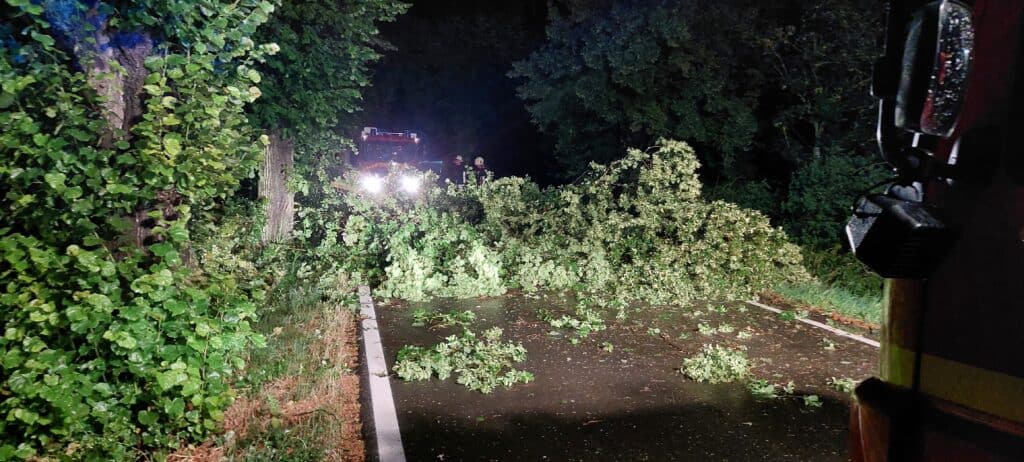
[(381, 153), (948, 236)]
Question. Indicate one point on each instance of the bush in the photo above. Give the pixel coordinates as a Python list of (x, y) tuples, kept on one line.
[(751, 194), (821, 194), (841, 268), (120, 333)]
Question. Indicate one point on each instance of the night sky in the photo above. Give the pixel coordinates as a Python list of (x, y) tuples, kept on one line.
[(446, 79)]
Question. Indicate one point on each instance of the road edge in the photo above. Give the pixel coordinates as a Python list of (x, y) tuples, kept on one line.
[(811, 322), (385, 419)]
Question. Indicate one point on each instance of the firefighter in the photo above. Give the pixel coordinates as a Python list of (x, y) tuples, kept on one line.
[(479, 170), (455, 171)]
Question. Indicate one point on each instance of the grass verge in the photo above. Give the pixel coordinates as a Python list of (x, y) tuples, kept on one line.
[(299, 401), (843, 286), (834, 299)]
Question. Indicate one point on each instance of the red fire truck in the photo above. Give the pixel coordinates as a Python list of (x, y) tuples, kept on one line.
[(381, 153), (948, 235)]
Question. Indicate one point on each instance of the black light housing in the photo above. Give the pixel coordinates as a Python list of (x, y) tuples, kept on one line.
[(898, 238)]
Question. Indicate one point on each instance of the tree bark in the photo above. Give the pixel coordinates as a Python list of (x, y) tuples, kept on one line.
[(279, 201), (114, 65)]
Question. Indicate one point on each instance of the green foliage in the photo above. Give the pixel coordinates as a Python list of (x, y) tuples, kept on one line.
[(717, 364), (326, 49), (422, 317), (843, 285), (111, 347), (625, 75), (481, 364), (788, 315), (279, 445), (840, 268), (761, 389), (611, 75), (811, 401), (843, 385), (305, 364), (585, 322), (707, 329), (821, 195), (818, 68), (413, 250), (636, 229), (757, 195)]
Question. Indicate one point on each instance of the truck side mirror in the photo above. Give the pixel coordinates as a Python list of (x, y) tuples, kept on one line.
[(921, 82), (936, 61)]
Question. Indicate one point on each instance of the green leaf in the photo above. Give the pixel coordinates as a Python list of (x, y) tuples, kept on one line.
[(99, 302), (44, 39), (175, 408), (7, 452), (103, 389), (169, 379), (126, 341), (26, 416), (176, 307), (172, 145), (161, 249), (178, 233), (55, 180), (191, 387), (120, 189), (73, 193), (148, 418)]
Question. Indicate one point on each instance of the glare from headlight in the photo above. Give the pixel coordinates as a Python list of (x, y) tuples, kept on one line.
[(373, 184), (410, 184)]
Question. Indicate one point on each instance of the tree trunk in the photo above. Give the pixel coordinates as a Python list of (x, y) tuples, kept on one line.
[(116, 70), (280, 202)]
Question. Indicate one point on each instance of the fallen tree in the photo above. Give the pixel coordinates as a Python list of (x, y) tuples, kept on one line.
[(634, 230)]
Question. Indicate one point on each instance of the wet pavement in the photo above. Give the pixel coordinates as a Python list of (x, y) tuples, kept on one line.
[(630, 403)]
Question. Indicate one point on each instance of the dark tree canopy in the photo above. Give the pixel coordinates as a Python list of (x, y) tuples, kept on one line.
[(627, 75), (768, 93), (749, 84), (323, 66)]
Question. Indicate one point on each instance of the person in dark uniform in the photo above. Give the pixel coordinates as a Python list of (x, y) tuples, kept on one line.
[(479, 170), (455, 171)]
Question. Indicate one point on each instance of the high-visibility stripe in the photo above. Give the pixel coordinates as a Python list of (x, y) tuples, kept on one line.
[(991, 392)]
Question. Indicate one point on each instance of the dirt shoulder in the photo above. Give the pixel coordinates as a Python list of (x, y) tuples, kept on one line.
[(300, 400)]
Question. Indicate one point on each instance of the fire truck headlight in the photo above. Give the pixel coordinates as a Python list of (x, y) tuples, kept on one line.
[(373, 184), (410, 184)]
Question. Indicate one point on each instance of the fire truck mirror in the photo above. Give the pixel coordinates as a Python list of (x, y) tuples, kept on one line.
[(936, 61)]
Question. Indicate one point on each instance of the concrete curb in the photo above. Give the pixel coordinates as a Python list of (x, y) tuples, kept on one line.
[(382, 402), (839, 332)]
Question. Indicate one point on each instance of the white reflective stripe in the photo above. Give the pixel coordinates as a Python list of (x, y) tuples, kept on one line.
[(385, 419), (839, 332)]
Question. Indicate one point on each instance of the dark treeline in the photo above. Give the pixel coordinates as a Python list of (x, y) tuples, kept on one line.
[(446, 78), (774, 95)]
